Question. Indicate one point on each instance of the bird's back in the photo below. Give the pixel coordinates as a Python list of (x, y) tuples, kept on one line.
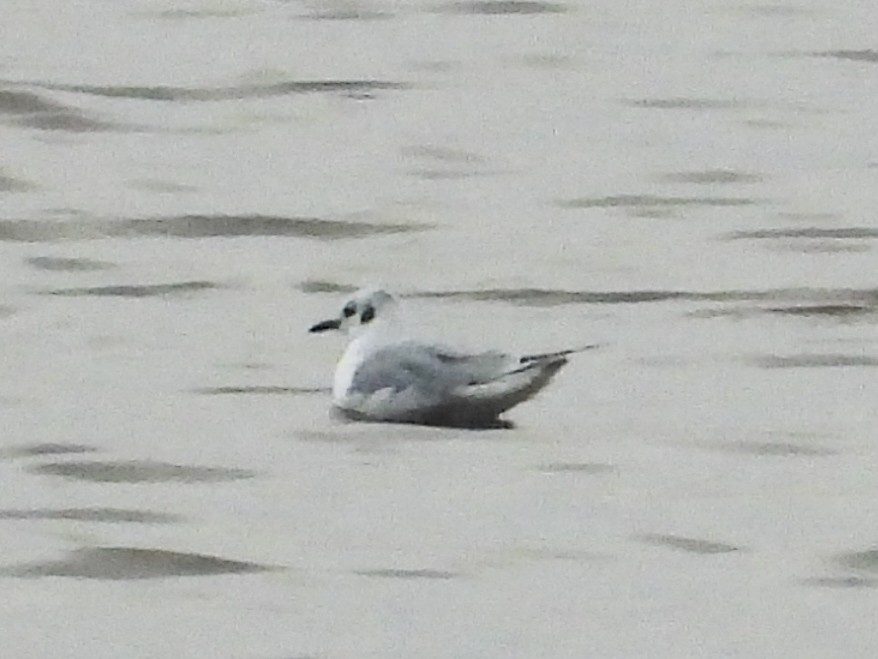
[(418, 383)]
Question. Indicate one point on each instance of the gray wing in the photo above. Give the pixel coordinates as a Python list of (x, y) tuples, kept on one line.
[(429, 370), (417, 383)]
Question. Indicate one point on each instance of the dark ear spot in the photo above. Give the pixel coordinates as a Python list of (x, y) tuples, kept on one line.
[(368, 314), (349, 309)]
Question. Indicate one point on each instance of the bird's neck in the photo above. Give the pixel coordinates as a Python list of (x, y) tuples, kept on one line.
[(361, 344)]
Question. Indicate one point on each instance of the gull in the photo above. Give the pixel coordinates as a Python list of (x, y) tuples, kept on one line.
[(382, 377)]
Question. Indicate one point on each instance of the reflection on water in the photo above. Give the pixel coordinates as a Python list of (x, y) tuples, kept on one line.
[(118, 563), (139, 471)]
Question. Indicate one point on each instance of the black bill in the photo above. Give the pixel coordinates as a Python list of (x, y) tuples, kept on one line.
[(333, 324)]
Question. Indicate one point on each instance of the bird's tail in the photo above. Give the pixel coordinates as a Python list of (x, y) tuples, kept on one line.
[(513, 387)]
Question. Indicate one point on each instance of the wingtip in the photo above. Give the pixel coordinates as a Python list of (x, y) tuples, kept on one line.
[(560, 354), (546, 363)]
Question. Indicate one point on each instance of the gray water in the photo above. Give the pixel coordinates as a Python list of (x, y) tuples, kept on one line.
[(185, 187)]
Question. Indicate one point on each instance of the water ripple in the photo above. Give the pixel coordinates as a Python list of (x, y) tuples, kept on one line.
[(815, 361), (801, 301), (623, 201), (398, 573), (553, 297), (113, 515), (691, 545), (681, 103), (852, 55), (32, 111), (590, 468), (50, 448), (123, 563), (503, 7), (150, 290), (67, 264), (10, 184), (196, 226), (779, 449), (840, 582), (139, 471), (318, 286), (259, 390), (843, 233), (860, 560), (831, 310), (266, 90), (711, 176)]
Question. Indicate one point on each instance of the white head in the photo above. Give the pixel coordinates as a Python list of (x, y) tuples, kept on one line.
[(367, 308)]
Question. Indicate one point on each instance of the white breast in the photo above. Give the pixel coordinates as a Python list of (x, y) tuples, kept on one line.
[(344, 372)]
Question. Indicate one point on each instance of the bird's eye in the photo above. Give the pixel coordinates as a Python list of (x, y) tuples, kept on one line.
[(349, 310), (368, 314)]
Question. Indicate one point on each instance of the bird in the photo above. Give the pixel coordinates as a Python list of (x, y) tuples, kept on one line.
[(382, 377)]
